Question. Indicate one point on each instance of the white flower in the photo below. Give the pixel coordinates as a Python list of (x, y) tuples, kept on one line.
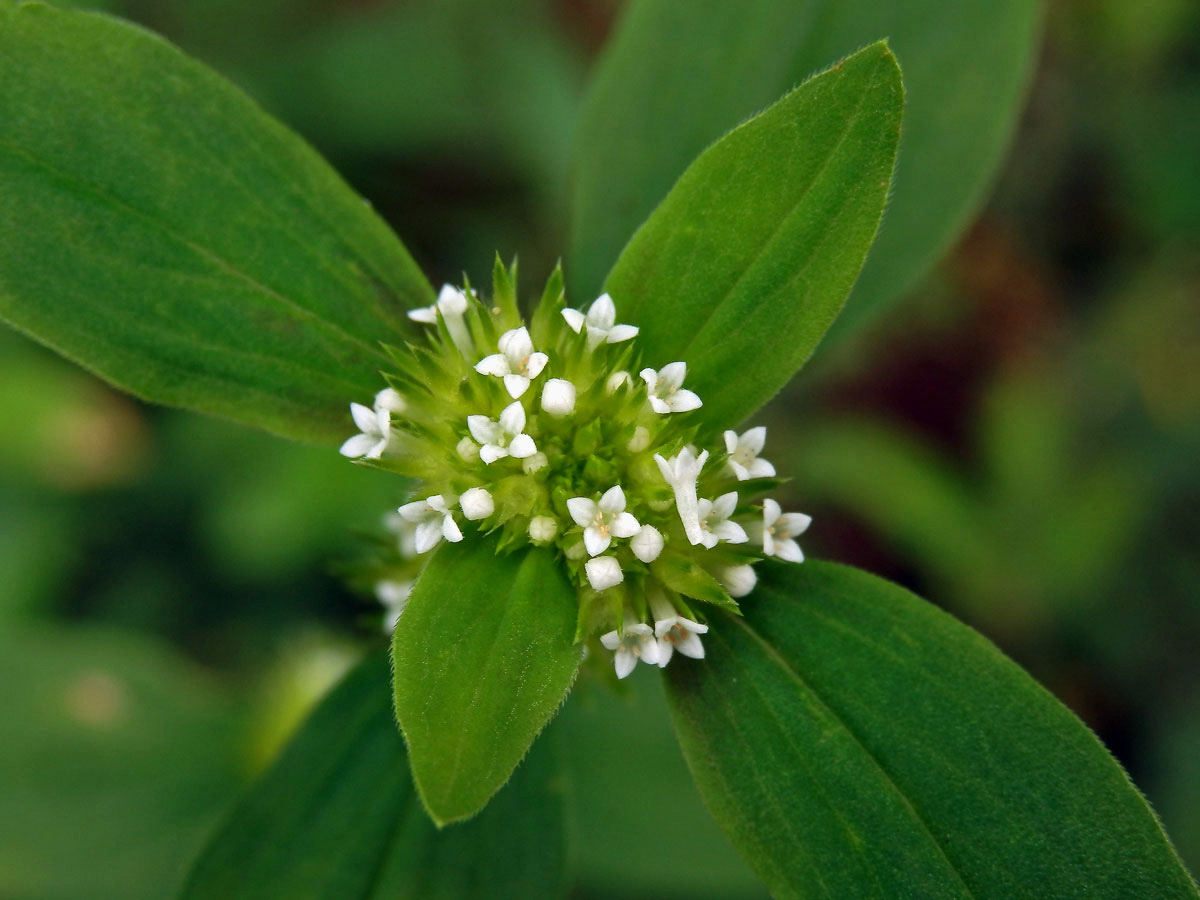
[(517, 362), (664, 389), (743, 454), (452, 304), (603, 572), (477, 504), (394, 597), (502, 438), (542, 529), (375, 425), (681, 472), (599, 322), (779, 529), (714, 521), (558, 397), (602, 521), (647, 544), (635, 642), (433, 519), (674, 632), (738, 580)]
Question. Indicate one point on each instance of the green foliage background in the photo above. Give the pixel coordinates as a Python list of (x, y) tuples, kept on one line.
[(1015, 440)]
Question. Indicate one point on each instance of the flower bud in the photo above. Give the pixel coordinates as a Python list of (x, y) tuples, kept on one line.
[(542, 528), (477, 504), (738, 580), (558, 397), (640, 440), (603, 572), (467, 449), (391, 400), (531, 464), (615, 380), (647, 544)]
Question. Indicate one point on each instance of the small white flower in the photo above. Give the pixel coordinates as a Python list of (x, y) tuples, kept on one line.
[(779, 531), (531, 464), (391, 400), (558, 397), (599, 322), (477, 504), (603, 572), (502, 438), (714, 521), (664, 389), (452, 304), (375, 425), (615, 380), (394, 597), (603, 521), (647, 544), (743, 454), (542, 529), (738, 580), (517, 362), (640, 440), (674, 632), (636, 642), (681, 472), (434, 520)]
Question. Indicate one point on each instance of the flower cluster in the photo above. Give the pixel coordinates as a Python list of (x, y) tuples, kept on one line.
[(538, 435)]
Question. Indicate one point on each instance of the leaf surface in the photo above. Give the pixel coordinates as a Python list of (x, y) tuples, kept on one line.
[(854, 741), (161, 230), (483, 657), (745, 264)]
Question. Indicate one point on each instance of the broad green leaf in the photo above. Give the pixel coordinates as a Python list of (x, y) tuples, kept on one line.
[(854, 741), (676, 76), (161, 230), (336, 816), (483, 656), (747, 261)]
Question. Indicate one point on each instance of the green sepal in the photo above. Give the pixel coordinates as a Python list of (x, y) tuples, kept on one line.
[(683, 574)]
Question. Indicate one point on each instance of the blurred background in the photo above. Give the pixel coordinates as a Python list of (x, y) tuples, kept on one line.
[(1016, 439)]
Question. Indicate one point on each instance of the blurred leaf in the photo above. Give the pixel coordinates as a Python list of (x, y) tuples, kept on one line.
[(483, 656), (115, 757), (160, 229), (856, 742), (746, 263), (678, 75), (336, 816)]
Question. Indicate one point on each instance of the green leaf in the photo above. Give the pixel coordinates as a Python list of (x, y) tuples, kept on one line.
[(854, 741), (483, 656), (747, 261), (336, 816), (676, 76), (161, 230)]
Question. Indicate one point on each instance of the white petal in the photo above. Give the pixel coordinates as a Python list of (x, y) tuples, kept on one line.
[(483, 429), (731, 533), (359, 445), (619, 333), (574, 318), (684, 401), (516, 344), (417, 511), (771, 512), (615, 380), (624, 525), (611, 640), (489, 453), (704, 508), (754, 439), (535, 364), (672, 374), (512, 420), (789, 550), (450, 530), (740, 472), (613, 501), (426, 315), (724, 505), (647, 544), (708, 539), (595, 541), (516, 385), (768, 543), (625, 662), (451, 301), (495, 364), (429, 532), (668, 473), (603, 572), (731, 441), (690, 645), (796, 523), (391, 400), (648, 647), (522, 447), (364, 418), (649, 376), (659, 406), (582, 510), (531, 464), (602, 313), (440, 503), (760, 468), (665, 650), (377, 449)]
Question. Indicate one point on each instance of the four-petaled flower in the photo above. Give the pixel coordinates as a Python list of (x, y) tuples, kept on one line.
[(599, 323), (674, 632), (517, 362), (681, 472), (665, 391), (636, 642), (603, 521), (375, 425), (779, 531), (743, 454), (451, 303), (433, 520), (502, 438), (714, 521)]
